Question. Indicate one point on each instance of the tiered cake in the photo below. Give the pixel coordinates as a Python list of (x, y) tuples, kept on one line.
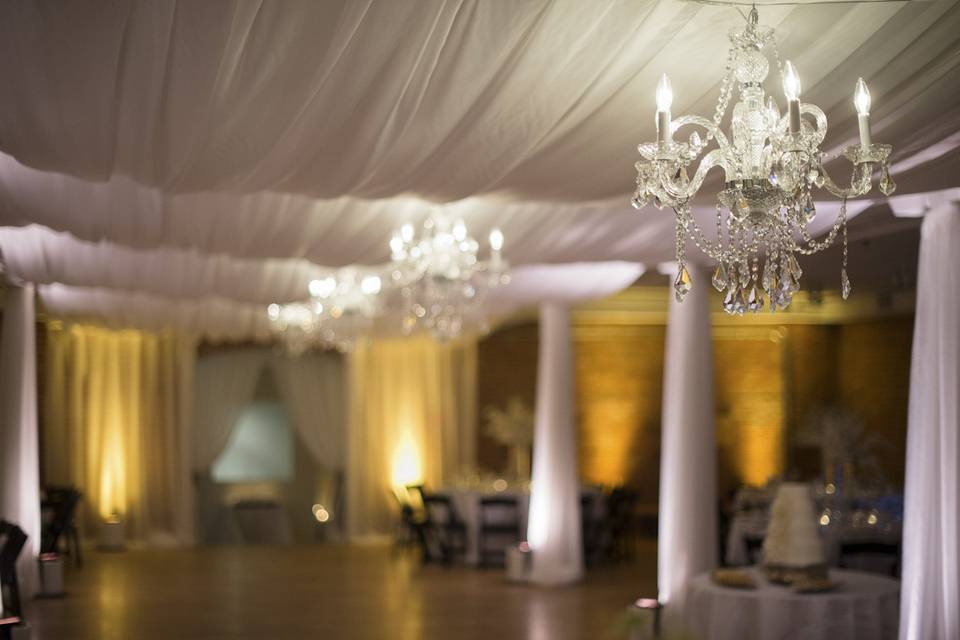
[(792, 549)]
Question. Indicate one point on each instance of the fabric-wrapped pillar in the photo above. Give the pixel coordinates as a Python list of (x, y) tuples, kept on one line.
[(688, 518), (553, 529), (930, 593), (19, 454)]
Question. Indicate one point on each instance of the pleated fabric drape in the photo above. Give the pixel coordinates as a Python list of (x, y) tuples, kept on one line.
[(554, 527), (117, 416), (313, 390), (224, 384), (412, 420), (19, 455), (688, 455), (930, 596)]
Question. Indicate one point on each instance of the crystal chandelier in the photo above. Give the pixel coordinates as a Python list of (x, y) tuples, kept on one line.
[(442, 282), (771, 164), (340, 311)]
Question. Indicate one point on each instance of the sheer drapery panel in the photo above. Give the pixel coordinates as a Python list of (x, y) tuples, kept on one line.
[(930, 596), (117, 415), (412, 420), (19, 454)]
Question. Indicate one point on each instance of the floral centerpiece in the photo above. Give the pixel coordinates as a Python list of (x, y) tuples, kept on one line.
[(513, 428)]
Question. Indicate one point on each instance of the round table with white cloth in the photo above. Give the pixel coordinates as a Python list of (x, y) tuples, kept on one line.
[(863, 606)]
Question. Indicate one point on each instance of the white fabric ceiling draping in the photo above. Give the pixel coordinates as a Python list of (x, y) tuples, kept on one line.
[(182, 148)]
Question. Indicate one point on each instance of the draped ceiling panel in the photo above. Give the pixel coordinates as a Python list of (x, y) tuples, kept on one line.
[(183, 163)]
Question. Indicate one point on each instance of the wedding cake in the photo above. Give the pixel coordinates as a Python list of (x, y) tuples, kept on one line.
[(792, 549)]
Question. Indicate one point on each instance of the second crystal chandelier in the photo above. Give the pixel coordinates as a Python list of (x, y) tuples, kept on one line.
[(771, 165), (442, 282)]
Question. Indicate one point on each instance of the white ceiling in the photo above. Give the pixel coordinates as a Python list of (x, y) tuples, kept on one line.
[(183, 163)]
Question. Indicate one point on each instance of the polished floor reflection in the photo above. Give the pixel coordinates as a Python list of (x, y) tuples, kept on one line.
[(326, 592)]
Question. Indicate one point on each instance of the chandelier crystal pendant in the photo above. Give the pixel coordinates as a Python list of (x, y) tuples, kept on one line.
[(341, 310), (441, 280), (771, 163)]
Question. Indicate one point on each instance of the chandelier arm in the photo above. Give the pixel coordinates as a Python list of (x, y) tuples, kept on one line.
[(713, 129), (860, 181)]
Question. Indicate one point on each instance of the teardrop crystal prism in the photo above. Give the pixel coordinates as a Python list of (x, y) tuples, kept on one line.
[(794, 266), (657, 202), (720, 277), (744, 275), (729, 301), (695, 141), (681, 286), (887, 185), (740, 304), (769, 280), (639, 200), (844, 284), (754, 301)]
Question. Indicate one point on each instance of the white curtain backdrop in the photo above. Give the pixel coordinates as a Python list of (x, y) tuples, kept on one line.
[(313, 390), (19, 453), (553, 529), (688, 519), (224, 384), (930, 596)]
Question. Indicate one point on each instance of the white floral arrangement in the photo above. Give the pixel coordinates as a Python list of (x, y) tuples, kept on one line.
[(511, 427)]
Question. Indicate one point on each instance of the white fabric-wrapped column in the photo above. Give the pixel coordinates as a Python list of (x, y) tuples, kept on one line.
[(553, 529), (688, 519), (19, 454), (930, 596)]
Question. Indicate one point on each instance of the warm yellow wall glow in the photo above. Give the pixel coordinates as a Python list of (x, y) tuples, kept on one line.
[(407, 467)]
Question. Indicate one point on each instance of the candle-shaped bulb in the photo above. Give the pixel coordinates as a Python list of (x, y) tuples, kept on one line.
[(396, 244), (861, 98), (791, 81), (496, 239), (460, 230), (370, 285), (664, 94)]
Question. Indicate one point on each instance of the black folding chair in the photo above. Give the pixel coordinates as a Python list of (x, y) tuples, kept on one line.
[(499, 528), (876, 557), (12, 539), (446, 524), (59, 509)]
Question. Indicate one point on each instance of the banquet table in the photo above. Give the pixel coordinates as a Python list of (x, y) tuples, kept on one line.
[(467, 504), (863, 606)]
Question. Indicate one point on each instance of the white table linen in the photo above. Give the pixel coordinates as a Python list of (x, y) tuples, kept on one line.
[(864, 606)]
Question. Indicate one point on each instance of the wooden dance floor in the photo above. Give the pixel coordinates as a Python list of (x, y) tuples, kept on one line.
[(326, 591)]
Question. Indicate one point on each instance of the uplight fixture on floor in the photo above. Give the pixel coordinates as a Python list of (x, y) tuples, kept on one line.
[(772, 163)]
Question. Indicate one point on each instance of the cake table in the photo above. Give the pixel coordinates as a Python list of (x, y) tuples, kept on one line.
[(864, 606)]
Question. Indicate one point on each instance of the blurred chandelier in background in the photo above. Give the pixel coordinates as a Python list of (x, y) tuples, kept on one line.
[(442, 282), (771, 164), (340, 311)]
